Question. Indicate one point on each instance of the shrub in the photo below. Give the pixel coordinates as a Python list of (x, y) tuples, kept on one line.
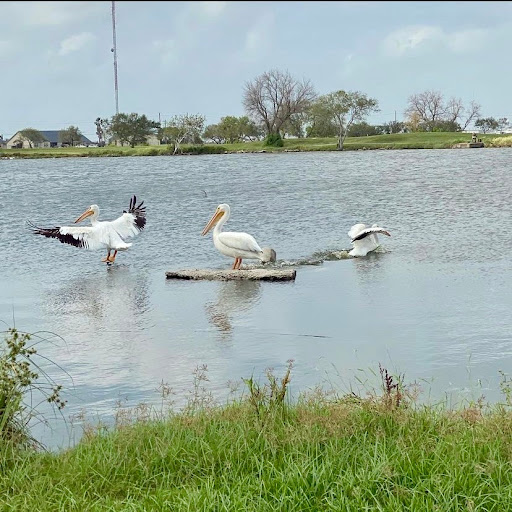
[(273, 139), (17, 378)]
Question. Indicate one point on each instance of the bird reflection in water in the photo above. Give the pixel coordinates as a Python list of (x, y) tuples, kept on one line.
[(113, 298), (234, 297)]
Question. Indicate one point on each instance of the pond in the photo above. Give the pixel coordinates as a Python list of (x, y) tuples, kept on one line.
[(433, 303)]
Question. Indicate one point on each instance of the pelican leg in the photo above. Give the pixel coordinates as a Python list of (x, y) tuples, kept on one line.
[(107, 259), (234, 264), (239, 263), (111, 259)]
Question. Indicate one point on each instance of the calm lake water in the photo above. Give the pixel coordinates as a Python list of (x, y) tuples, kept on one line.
[(434, 304)]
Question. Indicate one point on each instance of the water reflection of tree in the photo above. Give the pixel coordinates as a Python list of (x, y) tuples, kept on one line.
[(234, 297)]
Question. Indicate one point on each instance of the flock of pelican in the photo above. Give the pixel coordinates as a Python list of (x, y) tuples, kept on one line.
[(110, 235)]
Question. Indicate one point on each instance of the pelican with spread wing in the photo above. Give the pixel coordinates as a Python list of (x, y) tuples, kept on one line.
[(364, 239), (233, 244), (101, 234)]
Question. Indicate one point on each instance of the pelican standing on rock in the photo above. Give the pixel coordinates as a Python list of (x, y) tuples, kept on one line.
[(364, 239), (101, 234), (233, 244)]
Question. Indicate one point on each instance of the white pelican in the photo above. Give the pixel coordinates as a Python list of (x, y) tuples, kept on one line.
[(233, 244), (102, 234), (364, 238)]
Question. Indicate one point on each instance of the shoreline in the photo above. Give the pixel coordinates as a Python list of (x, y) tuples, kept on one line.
[(436, 140)]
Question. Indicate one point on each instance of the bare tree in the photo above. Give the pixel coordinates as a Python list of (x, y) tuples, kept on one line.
[(429, 105), (429, 111), (472, 112), (454, 110), (273, 97)]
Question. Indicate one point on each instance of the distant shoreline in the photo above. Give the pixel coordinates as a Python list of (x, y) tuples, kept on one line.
[(435, 140)]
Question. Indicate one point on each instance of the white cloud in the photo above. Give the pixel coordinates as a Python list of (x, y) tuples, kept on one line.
[(428, 37), (75, 43), (402, 41)]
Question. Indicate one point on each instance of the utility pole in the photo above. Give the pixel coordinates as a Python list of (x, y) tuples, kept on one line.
[(395, 116), (114, 50)]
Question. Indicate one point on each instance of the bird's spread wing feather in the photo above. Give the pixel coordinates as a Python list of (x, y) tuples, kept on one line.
[(239, 241), (368, 231), (132, 221), (83, 236)]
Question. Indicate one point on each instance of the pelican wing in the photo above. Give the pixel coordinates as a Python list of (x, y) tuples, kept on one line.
[(239, 241), (84, 236), (132, 221), (356, 229), (368, 231)]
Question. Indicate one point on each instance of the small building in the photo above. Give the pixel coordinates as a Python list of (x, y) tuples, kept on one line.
[(18, 141), (151, 140), (3, 142)]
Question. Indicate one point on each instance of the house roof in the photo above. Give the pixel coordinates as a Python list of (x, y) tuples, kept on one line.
[(53, 136)]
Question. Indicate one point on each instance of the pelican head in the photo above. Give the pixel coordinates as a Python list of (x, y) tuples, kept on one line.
[(222, 211), (92, 210)]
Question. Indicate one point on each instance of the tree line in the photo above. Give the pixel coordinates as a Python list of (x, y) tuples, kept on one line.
[(277, 105)]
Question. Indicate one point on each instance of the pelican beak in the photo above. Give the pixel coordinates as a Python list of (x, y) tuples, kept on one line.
[(387, 233), (215, 218), (84, 215)]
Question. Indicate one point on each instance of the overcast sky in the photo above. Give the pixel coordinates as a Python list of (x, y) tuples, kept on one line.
[(56, 64)]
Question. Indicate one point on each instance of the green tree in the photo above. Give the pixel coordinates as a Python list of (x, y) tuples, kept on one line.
[(502, 123), (132, 129), (212, 132), (229, 129), (182, 128), (342, 109), (32, 136), (363, 129), (487, 124), (320, 127), (295, 126), (249, 130), (70, 135), (394, 127)]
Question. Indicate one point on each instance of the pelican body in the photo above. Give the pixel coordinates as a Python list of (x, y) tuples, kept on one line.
[(232, 244), (101, 234), (364, 239)]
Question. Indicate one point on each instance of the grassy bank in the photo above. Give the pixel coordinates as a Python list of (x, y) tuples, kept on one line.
[(378, 452), (395, 141)]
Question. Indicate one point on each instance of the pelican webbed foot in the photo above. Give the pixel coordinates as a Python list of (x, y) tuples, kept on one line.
[(111, 259)]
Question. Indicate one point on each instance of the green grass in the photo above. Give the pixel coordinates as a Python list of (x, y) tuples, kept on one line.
[(322, 453), (438, 140)]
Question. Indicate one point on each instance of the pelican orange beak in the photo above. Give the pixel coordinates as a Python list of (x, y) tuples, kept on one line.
[(84, 215), (215, 218)]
